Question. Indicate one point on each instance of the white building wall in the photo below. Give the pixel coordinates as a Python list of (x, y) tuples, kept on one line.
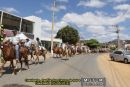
[(37, 26), (39, 30)]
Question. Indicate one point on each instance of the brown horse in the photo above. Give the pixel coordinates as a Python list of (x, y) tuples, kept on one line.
[(39, 52), (23, 54), (58, 51), (31, 51), (73, 51), (67, 52), (8, 51)]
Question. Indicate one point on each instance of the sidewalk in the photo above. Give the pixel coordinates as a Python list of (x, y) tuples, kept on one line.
[(116, 73)]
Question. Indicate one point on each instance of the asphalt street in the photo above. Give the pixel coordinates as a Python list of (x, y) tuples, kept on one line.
[(77, 67)]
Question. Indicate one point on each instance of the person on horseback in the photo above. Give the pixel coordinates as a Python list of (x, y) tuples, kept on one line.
[(2, 37), (28, 44), (15, 41), (38, 43)]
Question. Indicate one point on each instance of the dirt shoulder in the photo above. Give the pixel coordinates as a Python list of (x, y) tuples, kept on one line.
[(117, 73)]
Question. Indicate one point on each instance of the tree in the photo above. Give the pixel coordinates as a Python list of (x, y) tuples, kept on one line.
[(92, 43), (68, 34)]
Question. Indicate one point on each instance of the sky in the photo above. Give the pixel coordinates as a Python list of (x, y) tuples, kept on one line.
[(92, 18)]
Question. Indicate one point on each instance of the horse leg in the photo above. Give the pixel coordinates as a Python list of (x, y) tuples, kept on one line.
[(26, 62), (44, 55), (1, 68), (37, 59), (14, 69), (21, 63), (60, 56), (32, 57)]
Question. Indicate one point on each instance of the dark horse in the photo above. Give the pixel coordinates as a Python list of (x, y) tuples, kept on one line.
[(79, 50)]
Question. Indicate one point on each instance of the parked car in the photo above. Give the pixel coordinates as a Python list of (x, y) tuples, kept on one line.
[(120, 55)]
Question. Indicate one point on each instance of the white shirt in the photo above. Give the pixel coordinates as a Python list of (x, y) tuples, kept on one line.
[(63, 46), (28, 44), (14, 40), (42, 47)]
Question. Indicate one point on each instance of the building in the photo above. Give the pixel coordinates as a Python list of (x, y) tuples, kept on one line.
[(12, 22), (42, 32), (31, 26)]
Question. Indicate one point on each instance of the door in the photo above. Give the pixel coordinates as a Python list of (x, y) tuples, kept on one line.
[(121, 56), (117, 55)]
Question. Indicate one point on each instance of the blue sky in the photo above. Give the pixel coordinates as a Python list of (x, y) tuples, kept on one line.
[(92, 18)]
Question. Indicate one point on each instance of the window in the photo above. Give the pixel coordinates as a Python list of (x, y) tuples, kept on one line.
[(118, 52)]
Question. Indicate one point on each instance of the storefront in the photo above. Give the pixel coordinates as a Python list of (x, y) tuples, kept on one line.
[(47, 43)]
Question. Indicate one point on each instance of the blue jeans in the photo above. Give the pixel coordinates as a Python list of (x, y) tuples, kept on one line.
[(17, 51)]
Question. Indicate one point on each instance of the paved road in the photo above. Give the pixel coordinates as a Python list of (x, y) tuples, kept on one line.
[(77, 67)]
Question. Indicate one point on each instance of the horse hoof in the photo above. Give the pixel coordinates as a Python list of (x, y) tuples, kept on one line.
[(1, 75), (20, 70), (14, 73)]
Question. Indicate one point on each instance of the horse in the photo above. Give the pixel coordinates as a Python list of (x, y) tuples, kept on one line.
[(58, 51), (79, 50), (38, 51), (24, 51), (8, 52), (73, 51), (67, 51), (31, 51)]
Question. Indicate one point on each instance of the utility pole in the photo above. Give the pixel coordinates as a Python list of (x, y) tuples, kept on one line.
[(118, 36), (1, 20), (53, 14), (20, 25)]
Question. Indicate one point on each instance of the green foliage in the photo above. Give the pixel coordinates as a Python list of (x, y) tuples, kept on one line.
[(112, 47), (68, 34), (92, 43)]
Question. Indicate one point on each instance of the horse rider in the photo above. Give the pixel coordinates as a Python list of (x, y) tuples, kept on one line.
[(38, 44), (28, 44), (68, 45), (15, 41)]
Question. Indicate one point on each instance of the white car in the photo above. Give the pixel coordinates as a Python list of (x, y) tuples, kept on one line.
[(122, 55)]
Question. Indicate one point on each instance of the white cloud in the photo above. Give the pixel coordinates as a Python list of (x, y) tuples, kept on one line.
[(59, 5), (96, 29), (98, 24), (43, 27), (122, 7), (39, 11), (89, 18), (10, 9), (56, 9), (117, 1), (92, 3)]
